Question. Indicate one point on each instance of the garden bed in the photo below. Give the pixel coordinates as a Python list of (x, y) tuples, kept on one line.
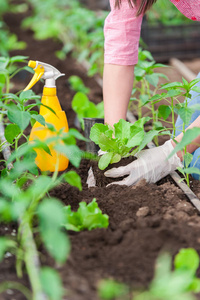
[(144, 220)]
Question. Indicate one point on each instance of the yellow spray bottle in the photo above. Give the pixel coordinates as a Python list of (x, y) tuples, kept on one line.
[(45, 161)]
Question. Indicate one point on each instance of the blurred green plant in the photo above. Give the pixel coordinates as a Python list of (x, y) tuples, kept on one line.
[(87, 217), (8, 40), (84, 108), (164, 12), (177, 284), (79, 29), (109, 289), (24, 196), (77, 84)]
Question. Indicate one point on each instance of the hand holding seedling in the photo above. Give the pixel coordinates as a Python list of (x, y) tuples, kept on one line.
[(151, 165)]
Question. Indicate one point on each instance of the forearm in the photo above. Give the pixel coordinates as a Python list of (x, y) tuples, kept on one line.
[(117, 87), (194, 145)]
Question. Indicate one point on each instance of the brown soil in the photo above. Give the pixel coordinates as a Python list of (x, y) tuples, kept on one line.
[(101, 180), (144, 220)]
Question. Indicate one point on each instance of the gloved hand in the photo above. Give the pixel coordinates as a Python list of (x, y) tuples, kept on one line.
[(151, 164)]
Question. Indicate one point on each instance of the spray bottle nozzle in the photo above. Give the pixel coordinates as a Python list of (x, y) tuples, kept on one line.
[(32, 64), (45, 71)]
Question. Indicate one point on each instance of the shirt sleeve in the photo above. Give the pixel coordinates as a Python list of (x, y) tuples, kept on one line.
[(189, 8), (122, 33)]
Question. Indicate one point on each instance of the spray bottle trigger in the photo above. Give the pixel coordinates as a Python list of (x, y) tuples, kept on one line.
[(39, 71)]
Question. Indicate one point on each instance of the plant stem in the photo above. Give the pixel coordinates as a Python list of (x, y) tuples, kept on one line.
[(173, 119), (31, 258), (15, 286)]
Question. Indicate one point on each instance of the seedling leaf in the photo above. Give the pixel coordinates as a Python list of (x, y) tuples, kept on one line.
[(87, 217), (187, 260), (51, 216), (11, 132), (54, 290), (73, 179), (105, 160)]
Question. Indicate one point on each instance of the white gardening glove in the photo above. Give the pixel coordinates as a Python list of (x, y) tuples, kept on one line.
[(151, 165)]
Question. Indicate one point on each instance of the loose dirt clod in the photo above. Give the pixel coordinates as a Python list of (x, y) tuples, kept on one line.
[(143, 211)]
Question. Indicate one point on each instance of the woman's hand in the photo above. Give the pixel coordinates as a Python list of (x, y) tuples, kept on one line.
[(151, 165)]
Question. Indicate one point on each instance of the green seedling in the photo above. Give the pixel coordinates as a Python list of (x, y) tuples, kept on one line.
[(183, 109), (55, 290), (175, 285), (87, 217), (109, 289), (146, 84), (84, 108), (77, 85), (122, 140), (187, 261)]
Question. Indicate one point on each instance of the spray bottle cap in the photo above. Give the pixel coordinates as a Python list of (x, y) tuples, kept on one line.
[(45, 71)]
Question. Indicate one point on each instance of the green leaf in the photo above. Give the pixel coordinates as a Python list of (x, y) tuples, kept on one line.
[(185, 113), (116, 158), (72, 152), (187, 139), (83, 107), (144, 99), (152, 79), (18, 58), (187, 158), (96, 130), (87, 217), (11, 132), (187, 260), (39, 144), (51, 216), (11, 96), (140, 123), (105, 160), (25, 95), (51, 283), (75, 133), (122, 129), (195, 285), (164, 111), (21, 118), (174, 92), (109, 289), (38, 118), (137, 135), (5, 244), (107, 144), (5, 211), (171, 85), (148, 137), (73, 179), (196, 89), (40, 186), (100, 109), (78, 85), (191, 170), (185, 82)]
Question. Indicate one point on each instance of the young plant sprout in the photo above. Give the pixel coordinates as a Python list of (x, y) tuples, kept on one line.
[(122, 140)]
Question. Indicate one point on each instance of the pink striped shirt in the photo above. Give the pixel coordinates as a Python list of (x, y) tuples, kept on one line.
[(122, 30)]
